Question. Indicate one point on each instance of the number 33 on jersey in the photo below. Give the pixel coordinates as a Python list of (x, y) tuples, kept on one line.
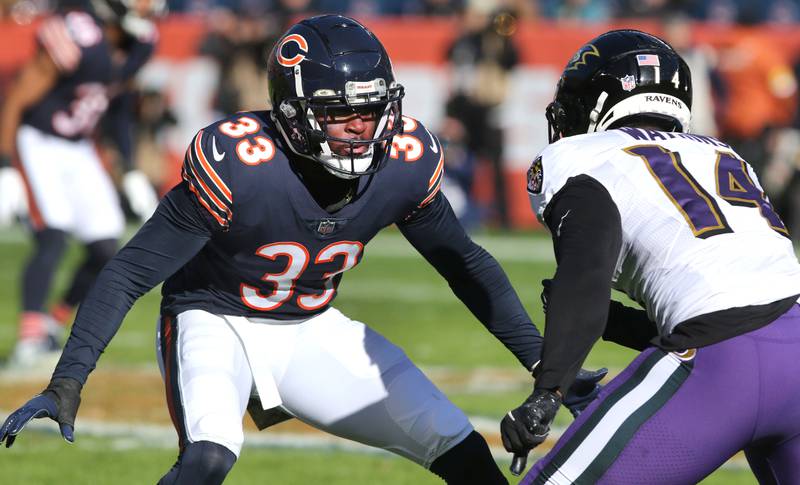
[(276, 253)]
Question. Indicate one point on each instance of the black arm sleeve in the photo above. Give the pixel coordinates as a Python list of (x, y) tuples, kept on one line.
[(630, 327), (587, 237), (118, 124), (475, 277), (138, 53), (176, 232)]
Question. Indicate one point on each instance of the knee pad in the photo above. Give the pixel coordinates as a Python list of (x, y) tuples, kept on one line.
[(200, 462), (469, 463)]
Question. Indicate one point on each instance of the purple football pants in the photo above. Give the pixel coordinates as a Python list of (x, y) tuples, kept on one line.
[(673, 418)]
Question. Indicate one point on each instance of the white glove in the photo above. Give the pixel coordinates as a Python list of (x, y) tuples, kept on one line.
[(140, 193), (13, 196)]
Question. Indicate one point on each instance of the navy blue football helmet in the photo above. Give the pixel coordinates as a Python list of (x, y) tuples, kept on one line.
[(618, 78), (333, 64)]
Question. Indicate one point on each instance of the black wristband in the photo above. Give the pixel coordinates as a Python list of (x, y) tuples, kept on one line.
[(66, 393), (5, 161)]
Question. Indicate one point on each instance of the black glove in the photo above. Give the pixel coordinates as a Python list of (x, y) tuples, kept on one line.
[(58, 402), (583, 390), (527, 426)]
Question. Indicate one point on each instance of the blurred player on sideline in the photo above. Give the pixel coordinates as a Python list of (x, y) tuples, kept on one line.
[(46, 123)]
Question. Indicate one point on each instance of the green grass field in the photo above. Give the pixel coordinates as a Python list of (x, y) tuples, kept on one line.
[(393, 290)]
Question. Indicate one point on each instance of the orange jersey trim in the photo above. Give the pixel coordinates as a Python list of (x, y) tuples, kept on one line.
[(209, 170), (196, 176), (438, 172), (60, 45), (211, 211)]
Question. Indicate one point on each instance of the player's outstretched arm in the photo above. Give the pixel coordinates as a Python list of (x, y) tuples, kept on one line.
[(173, 236), (166, 242), (475, 277)]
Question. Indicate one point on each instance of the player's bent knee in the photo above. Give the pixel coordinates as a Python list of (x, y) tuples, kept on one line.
[(202, 462), (469, 463), (423, 413)]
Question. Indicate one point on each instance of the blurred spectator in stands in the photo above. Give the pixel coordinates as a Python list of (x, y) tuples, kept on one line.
[(219, 45), (759, 91), (750, 11), (287, 11), (153, 119), (648, 8), (459, 172), (238, 43), (581, 10), (481, 59), (24, 12), (782, 175), (701, 60), (783, 12), (442, 8)]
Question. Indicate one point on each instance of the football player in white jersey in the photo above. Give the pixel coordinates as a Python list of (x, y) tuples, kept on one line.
[(680, 223)]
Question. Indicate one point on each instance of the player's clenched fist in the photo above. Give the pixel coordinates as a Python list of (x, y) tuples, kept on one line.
[(527, 426)]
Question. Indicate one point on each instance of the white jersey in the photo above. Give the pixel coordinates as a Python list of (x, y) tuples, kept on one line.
[(698, 233)]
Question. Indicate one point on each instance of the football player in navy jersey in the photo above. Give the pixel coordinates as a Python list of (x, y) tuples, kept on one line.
[(274, 207), (46, 127)]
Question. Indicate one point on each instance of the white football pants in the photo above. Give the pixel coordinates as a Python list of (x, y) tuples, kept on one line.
[(329, 371), (69, 188)]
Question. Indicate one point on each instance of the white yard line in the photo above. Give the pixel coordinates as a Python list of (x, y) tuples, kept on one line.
[(125, 436)]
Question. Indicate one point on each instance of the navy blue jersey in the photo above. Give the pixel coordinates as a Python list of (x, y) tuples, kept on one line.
[(241, 235), (274, 251), (78, 47)]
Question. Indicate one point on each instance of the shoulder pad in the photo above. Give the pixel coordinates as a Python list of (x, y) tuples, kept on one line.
[(218, 151), (57, 40), (208, 178), (566, 158), (419, 146), (242, 138)]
